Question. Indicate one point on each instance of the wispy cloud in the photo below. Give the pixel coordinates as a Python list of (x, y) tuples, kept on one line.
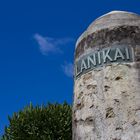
[(51, 45), (68, 69), (48, 45)]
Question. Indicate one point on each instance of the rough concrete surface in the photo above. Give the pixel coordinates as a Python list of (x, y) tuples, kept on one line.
[(107, 100)]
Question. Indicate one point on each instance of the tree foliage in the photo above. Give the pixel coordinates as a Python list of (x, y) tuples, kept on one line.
[(51, 122)]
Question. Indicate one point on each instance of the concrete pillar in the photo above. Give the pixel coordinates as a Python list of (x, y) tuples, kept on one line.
[(107, 79)]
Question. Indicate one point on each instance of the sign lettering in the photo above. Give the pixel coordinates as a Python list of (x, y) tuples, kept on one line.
[(103, 57)]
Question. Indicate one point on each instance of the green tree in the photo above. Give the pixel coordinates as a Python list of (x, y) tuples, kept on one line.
[(51, 122)]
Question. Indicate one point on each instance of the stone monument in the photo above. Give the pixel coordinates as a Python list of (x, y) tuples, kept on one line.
[(107, 79)]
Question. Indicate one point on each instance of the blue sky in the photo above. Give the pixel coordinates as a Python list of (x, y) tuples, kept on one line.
[(37, 39)]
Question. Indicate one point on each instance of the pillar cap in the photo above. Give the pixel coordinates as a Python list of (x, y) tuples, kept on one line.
[(111, 20)]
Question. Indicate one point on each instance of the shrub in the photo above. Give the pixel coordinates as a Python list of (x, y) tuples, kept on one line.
[(51, 122)]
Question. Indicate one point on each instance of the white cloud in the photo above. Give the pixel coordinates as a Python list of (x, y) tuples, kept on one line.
[(68, 69), (50, 45)]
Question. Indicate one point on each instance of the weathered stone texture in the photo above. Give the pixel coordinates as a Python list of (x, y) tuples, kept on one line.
[(107, 100), (128, 35)]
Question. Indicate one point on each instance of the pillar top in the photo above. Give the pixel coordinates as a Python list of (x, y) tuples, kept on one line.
[(111, 20)]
